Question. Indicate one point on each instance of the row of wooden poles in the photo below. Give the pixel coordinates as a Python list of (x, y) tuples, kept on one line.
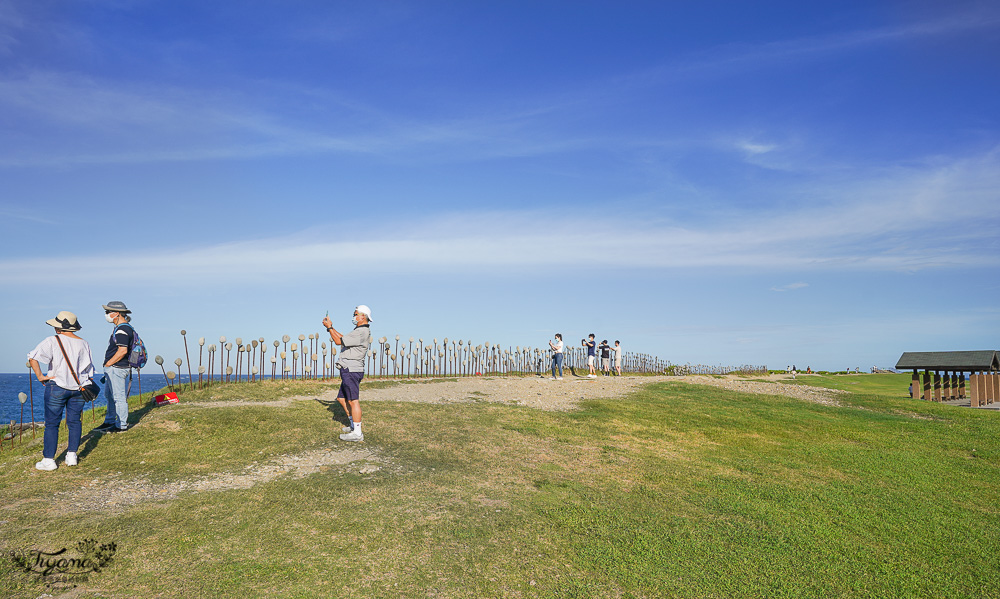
[(685, 369), (311, 358), (984, 387)]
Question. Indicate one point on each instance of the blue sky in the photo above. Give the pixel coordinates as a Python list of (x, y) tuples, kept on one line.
[(772, 183)]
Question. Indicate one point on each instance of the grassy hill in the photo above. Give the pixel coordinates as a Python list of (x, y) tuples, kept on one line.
[(675, 491)]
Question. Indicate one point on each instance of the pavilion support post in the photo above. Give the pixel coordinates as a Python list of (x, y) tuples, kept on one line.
[(915, 384), (937, 387), (995, 387), (952, 386), (926, 395), (961, 385), (974, 389), (946, 386)]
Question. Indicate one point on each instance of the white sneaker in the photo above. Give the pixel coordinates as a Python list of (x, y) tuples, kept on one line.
[(71, 458), (46, 464), (352, 436), (553, 378), (559, 379), (346, 429)]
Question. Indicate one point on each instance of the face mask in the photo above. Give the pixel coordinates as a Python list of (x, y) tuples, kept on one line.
[(355, 321), (110, 318)]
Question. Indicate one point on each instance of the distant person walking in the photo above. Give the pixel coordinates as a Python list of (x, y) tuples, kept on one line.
[(618, 357), (117, 373), (605, 358), (64, 355), (353, 349), (591, 346), (557, 356)]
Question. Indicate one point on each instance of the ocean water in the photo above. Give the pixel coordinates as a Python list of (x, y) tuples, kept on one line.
[(12, 384)]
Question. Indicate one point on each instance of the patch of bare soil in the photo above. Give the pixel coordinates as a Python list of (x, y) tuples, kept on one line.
[(536, 392), (115, 494)]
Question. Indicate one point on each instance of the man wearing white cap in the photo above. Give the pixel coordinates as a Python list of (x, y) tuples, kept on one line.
[(353, 350)]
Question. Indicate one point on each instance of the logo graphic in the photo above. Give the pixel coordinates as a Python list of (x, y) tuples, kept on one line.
[(77, 564)]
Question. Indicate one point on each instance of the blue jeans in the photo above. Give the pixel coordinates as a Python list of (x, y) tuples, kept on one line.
[(116, 392), (557, 360), (58, 399)]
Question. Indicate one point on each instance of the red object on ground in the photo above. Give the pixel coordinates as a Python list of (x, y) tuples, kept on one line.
[(166, 398)]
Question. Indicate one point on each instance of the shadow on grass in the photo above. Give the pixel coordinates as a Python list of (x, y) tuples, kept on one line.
[(336, 410), (90, 440)]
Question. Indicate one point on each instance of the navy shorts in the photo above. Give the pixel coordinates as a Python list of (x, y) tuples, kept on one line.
[(350, 384)]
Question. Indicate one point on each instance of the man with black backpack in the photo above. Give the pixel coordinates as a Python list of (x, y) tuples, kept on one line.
[(117, 372)]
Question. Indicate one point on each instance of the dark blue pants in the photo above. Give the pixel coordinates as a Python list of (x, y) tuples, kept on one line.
[(57, 400)]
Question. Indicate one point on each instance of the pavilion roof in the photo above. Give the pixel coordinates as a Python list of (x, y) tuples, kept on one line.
[(960, 361)]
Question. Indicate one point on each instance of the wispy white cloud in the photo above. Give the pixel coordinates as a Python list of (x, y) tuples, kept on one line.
[(62, 119), (790, 287), (758, 55), (25, 215), (909, 222)]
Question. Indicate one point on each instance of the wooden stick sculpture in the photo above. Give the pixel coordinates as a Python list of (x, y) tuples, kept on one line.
[(263, 350), (201, 348), (159, 360), (188, 357), (305, 353), (22, 397), (239, 354), (222, 346), (31, 400)]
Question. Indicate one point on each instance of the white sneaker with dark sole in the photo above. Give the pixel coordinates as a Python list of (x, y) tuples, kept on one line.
[(353, 436), (47, 464)]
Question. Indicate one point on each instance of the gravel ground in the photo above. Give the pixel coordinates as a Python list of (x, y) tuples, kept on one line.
[(547, 394)]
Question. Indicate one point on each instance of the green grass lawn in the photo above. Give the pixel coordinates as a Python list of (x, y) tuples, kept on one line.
[(890, 385), (676, 491)]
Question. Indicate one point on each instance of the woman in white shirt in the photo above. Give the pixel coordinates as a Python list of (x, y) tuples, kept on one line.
[(557, 356), (618, 356), (62, 392)]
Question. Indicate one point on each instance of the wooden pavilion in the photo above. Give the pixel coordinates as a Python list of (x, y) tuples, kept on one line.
[(944, 375)]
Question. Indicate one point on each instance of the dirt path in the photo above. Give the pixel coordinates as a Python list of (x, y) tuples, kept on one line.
[(115, 493), (547, 394)]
